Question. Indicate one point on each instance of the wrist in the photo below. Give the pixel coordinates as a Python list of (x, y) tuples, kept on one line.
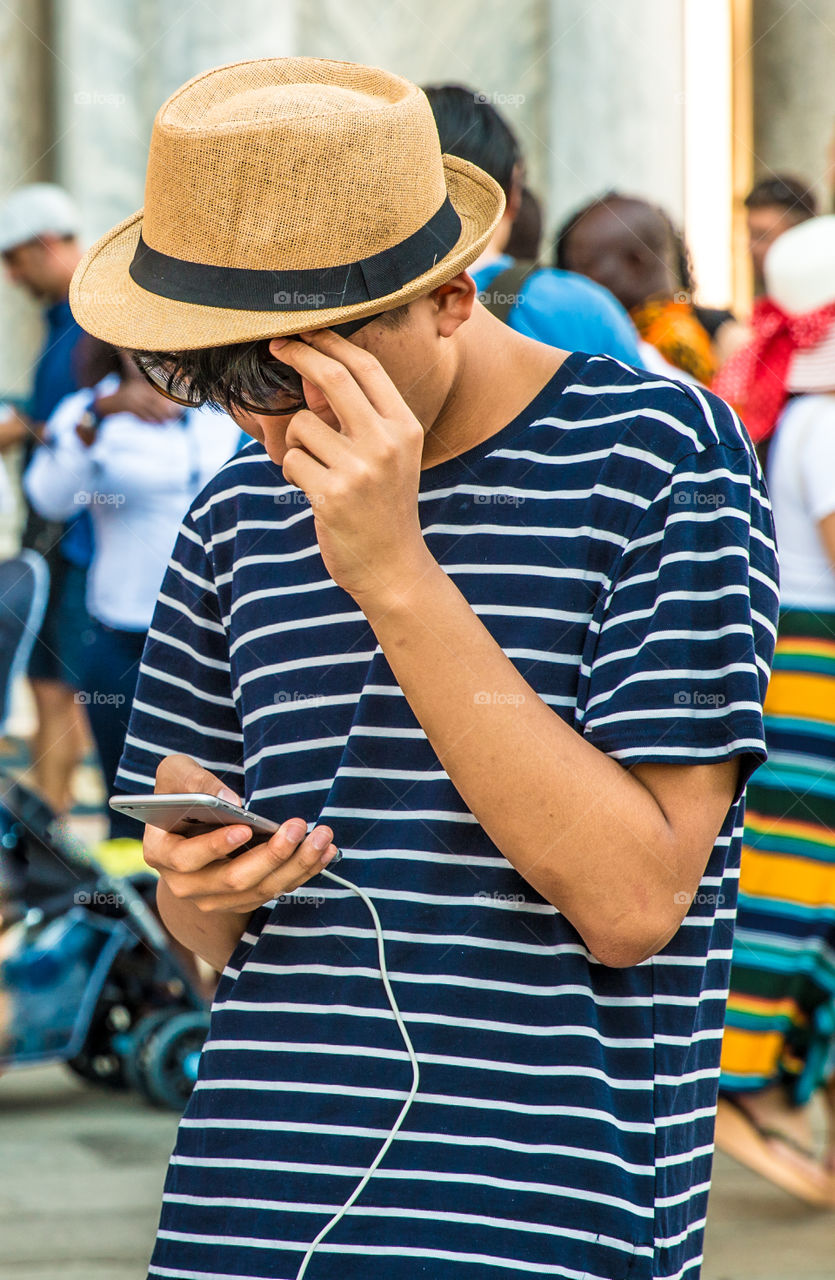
[(400, 591)]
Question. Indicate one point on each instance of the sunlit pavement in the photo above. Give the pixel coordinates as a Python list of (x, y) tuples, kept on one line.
[(80, 1179), (82, 1172)]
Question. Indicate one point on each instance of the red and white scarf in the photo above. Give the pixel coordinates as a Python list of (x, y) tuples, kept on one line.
[(754, 379)]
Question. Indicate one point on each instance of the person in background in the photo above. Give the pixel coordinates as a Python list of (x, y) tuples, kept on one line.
[(779, 1044), (39, 226), (135, 461), (525, 236), (630, 246), (555, 307), (774, 205)]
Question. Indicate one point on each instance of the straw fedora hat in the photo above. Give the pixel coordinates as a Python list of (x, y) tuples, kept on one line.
[(283, 195)]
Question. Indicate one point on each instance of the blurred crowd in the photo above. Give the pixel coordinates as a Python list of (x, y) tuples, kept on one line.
[(108, 467)]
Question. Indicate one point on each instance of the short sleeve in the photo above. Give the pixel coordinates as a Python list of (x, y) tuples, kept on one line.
[(183, 699), (680, 651), (816, 458)]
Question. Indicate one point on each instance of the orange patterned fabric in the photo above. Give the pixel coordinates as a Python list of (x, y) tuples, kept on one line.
[(673, 329)]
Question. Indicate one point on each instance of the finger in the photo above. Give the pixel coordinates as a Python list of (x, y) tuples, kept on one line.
[(285, 856), (182, 773), (284, 881), (334, 379), (365, 368), (306, 473), (183, 855), (309, 432)]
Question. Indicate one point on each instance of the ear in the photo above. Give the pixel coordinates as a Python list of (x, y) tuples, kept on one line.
[(453, 303), (514, 200)]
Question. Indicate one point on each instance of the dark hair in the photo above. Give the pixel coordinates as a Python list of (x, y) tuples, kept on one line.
[(471, 128), (526, 233), (574, 219), (92, 359), (784, 192), (682, 262), (238, 376)]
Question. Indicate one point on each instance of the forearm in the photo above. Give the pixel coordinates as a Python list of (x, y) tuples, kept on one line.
[(212, 935), (14, 427), (574, 823)]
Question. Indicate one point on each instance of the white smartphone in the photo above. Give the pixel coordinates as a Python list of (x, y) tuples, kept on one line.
[(193, 814)]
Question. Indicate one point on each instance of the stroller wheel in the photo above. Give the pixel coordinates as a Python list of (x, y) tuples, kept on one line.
[(99, 1068), (166, 1063), (138, 1039)]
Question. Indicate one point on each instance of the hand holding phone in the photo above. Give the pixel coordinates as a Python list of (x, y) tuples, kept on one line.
[(198, 868)]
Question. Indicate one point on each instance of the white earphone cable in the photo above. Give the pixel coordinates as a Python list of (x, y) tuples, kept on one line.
[(398, 1017)]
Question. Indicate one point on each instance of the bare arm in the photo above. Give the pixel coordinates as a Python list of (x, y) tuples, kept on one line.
[(213, 936), (556, 806), (826, 531), (15, 426)]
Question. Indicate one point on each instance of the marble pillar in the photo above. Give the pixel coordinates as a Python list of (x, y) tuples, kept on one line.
[(25, 153), (794, 102), (492, 46), (615, 101), (116, 63)]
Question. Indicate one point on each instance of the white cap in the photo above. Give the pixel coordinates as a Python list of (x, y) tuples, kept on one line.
[(36, 210), (799, 267)]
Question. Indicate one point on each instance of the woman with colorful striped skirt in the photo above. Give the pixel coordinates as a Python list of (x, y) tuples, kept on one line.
[(779, 1044)]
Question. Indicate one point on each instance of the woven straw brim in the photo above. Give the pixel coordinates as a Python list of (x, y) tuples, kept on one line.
[(107, 303)]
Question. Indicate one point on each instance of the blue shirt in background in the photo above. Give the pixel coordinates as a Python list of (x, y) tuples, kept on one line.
[(566, 310), (55, 377)]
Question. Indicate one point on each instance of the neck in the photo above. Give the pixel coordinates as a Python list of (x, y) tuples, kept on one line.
[(498, 373)]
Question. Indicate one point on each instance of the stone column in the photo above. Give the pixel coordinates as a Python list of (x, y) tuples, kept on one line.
[(616, 102), (116, 63), (794, 106), (490, 46), (24, 157)]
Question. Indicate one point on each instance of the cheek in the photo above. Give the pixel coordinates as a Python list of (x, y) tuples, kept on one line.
[(248, 423)]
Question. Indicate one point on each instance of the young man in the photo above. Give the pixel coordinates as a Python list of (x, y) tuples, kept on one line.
[(495, 620)]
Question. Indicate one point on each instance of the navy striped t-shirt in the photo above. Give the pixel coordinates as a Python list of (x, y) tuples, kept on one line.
[(617, 542)]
